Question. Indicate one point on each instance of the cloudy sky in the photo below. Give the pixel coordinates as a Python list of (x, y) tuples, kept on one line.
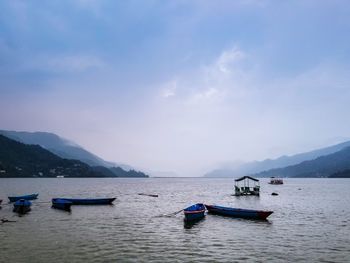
[(181, 86)]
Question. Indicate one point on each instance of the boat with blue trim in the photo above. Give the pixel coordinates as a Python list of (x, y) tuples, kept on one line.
[(238, 212), (89, 201), (194, 212), (24, 197), (22, 206), (61, 204)]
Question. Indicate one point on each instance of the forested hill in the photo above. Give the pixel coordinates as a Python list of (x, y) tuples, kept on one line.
[(324, 166), (22, 160)]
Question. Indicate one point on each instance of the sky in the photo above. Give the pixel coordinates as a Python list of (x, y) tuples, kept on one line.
[(178, 86)]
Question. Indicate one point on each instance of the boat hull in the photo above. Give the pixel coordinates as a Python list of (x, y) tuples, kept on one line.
[(21, 206), (194, 213), (238, 212), (61, 204), (24, 197), (96, 201)]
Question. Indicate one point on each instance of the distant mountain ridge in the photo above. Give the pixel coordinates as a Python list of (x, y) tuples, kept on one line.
[(20, 159), (258, 166), (61, 147), (325, 166)]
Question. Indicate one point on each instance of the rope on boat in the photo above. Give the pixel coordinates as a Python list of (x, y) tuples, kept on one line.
[(171, 214), (5, 220)]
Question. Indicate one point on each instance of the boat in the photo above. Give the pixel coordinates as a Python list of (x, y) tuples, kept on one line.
[(61, 204), (25, 197), (238, 212), (89, 201), (274, 180), (22, 206), (194, 212), (151, 195), (247, 185)]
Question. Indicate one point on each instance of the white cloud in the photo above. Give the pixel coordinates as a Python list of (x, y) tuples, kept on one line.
[(228, 58), (169, 89)]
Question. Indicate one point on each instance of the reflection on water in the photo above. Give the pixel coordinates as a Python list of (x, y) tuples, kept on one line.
[(190, 224), (308, 225)]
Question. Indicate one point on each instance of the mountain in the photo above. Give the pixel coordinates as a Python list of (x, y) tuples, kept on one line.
[(323, 166), (22, 160), (61, 147), (341, 174), (119, 172), (268, 164)]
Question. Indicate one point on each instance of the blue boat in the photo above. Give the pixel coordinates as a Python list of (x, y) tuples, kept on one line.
[(25, 197), (194, 212), (22, 206), (87, 201), (61, 204), (238, 212)]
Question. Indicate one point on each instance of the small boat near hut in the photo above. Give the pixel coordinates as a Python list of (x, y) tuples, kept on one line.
[(61, 204), (194, 212), (89, 201), (247, 185), (238, 212), (22, 206), (274, 180), (24, 197)]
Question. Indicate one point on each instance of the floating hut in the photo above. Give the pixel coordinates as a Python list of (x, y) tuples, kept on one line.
[(247, 185)]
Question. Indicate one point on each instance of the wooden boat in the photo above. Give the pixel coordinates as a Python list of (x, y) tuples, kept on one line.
[(25, 197), (238, 212), (151, 195), (61, 204), (194, 212), (89, 201), (22, 206), (274, 180)]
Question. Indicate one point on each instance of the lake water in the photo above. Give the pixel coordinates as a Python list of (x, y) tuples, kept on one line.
[(310, 223)]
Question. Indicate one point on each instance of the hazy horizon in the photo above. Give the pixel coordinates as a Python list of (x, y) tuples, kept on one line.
[(178, 86)]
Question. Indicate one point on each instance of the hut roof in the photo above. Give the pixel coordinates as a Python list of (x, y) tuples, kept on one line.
[(246, 177)]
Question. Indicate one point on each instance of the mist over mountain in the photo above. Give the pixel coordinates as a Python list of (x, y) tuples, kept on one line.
[(61, 147), (21, 160), (258, 166), (324, 166), (42, 154)]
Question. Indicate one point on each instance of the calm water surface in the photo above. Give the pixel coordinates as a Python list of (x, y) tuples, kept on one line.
[(311, 222)]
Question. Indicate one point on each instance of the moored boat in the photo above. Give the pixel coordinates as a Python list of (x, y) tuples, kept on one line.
[(89, 201), (274, 180), (194, 212), (22, 206), (61, 204), (24, 197), (238, 212)]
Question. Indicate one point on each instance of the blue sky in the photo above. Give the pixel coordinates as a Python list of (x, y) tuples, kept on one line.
[(180, 86)]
